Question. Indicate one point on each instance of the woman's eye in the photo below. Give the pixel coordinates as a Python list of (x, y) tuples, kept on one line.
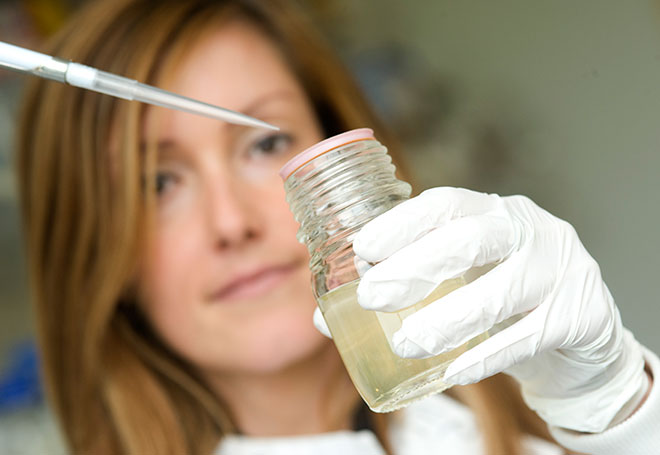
[(163, 181), (272, 144)]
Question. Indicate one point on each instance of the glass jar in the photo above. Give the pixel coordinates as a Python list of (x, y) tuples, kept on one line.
[(333, 189)]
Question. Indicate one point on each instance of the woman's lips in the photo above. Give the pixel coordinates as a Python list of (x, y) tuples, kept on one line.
[(254, 284)]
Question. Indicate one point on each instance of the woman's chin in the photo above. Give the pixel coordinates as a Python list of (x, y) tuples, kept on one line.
[(279, 353)]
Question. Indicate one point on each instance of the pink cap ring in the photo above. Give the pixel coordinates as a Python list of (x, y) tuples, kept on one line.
[(322, 147)]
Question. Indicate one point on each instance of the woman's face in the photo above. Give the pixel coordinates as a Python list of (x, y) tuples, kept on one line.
[(223, 280)]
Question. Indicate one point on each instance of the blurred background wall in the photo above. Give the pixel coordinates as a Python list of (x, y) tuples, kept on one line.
[(556, 100)]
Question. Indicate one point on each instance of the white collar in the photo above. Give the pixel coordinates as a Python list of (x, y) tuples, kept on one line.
[(435, 424), (334, 443)]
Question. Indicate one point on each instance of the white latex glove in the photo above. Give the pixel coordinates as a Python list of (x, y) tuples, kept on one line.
[(578, 367)]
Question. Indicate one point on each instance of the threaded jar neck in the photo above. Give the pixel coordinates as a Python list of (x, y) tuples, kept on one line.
[(332, 196)]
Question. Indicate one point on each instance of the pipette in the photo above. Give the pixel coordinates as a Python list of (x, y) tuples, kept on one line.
[(26, 61)]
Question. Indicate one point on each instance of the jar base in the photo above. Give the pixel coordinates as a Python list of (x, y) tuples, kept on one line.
[(411, 390)]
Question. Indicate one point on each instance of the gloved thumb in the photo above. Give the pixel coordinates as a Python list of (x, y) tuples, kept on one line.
[(319, 323)]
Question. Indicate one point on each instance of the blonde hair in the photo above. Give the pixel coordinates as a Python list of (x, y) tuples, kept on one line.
[(113, 385)]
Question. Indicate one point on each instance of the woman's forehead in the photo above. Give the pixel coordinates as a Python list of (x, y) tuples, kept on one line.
[(232, 65), (235, 66)]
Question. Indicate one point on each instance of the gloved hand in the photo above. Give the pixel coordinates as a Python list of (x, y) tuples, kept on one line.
[(577, 365)]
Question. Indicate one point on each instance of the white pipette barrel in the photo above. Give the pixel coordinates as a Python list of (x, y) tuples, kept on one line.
[(24, 60)]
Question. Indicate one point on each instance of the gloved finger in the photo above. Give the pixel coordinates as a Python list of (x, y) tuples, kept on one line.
[(511, 346), (361, 266), (469, 311), (413, 272), (411, 219), (320, 324)]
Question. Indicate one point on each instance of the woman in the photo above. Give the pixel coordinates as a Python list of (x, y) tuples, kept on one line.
[(173, 300)]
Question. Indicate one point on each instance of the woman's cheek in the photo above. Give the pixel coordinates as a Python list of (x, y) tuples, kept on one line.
[(178, 203), (173, 256)]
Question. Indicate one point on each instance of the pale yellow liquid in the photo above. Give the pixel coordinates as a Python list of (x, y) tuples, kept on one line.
[(384, 380)]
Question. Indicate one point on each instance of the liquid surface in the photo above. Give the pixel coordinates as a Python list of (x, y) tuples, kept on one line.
[(384, 380)]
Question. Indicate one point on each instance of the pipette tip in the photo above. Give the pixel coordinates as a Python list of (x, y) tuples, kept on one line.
[(261, 124)]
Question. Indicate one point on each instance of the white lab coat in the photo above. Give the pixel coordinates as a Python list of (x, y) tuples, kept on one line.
[(434, 425), (440, 424)]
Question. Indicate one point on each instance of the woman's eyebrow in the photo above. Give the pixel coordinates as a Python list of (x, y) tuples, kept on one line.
[(163, 147), (253, 108)]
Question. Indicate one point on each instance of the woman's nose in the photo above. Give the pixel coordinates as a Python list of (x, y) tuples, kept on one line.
[(232, 216)]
